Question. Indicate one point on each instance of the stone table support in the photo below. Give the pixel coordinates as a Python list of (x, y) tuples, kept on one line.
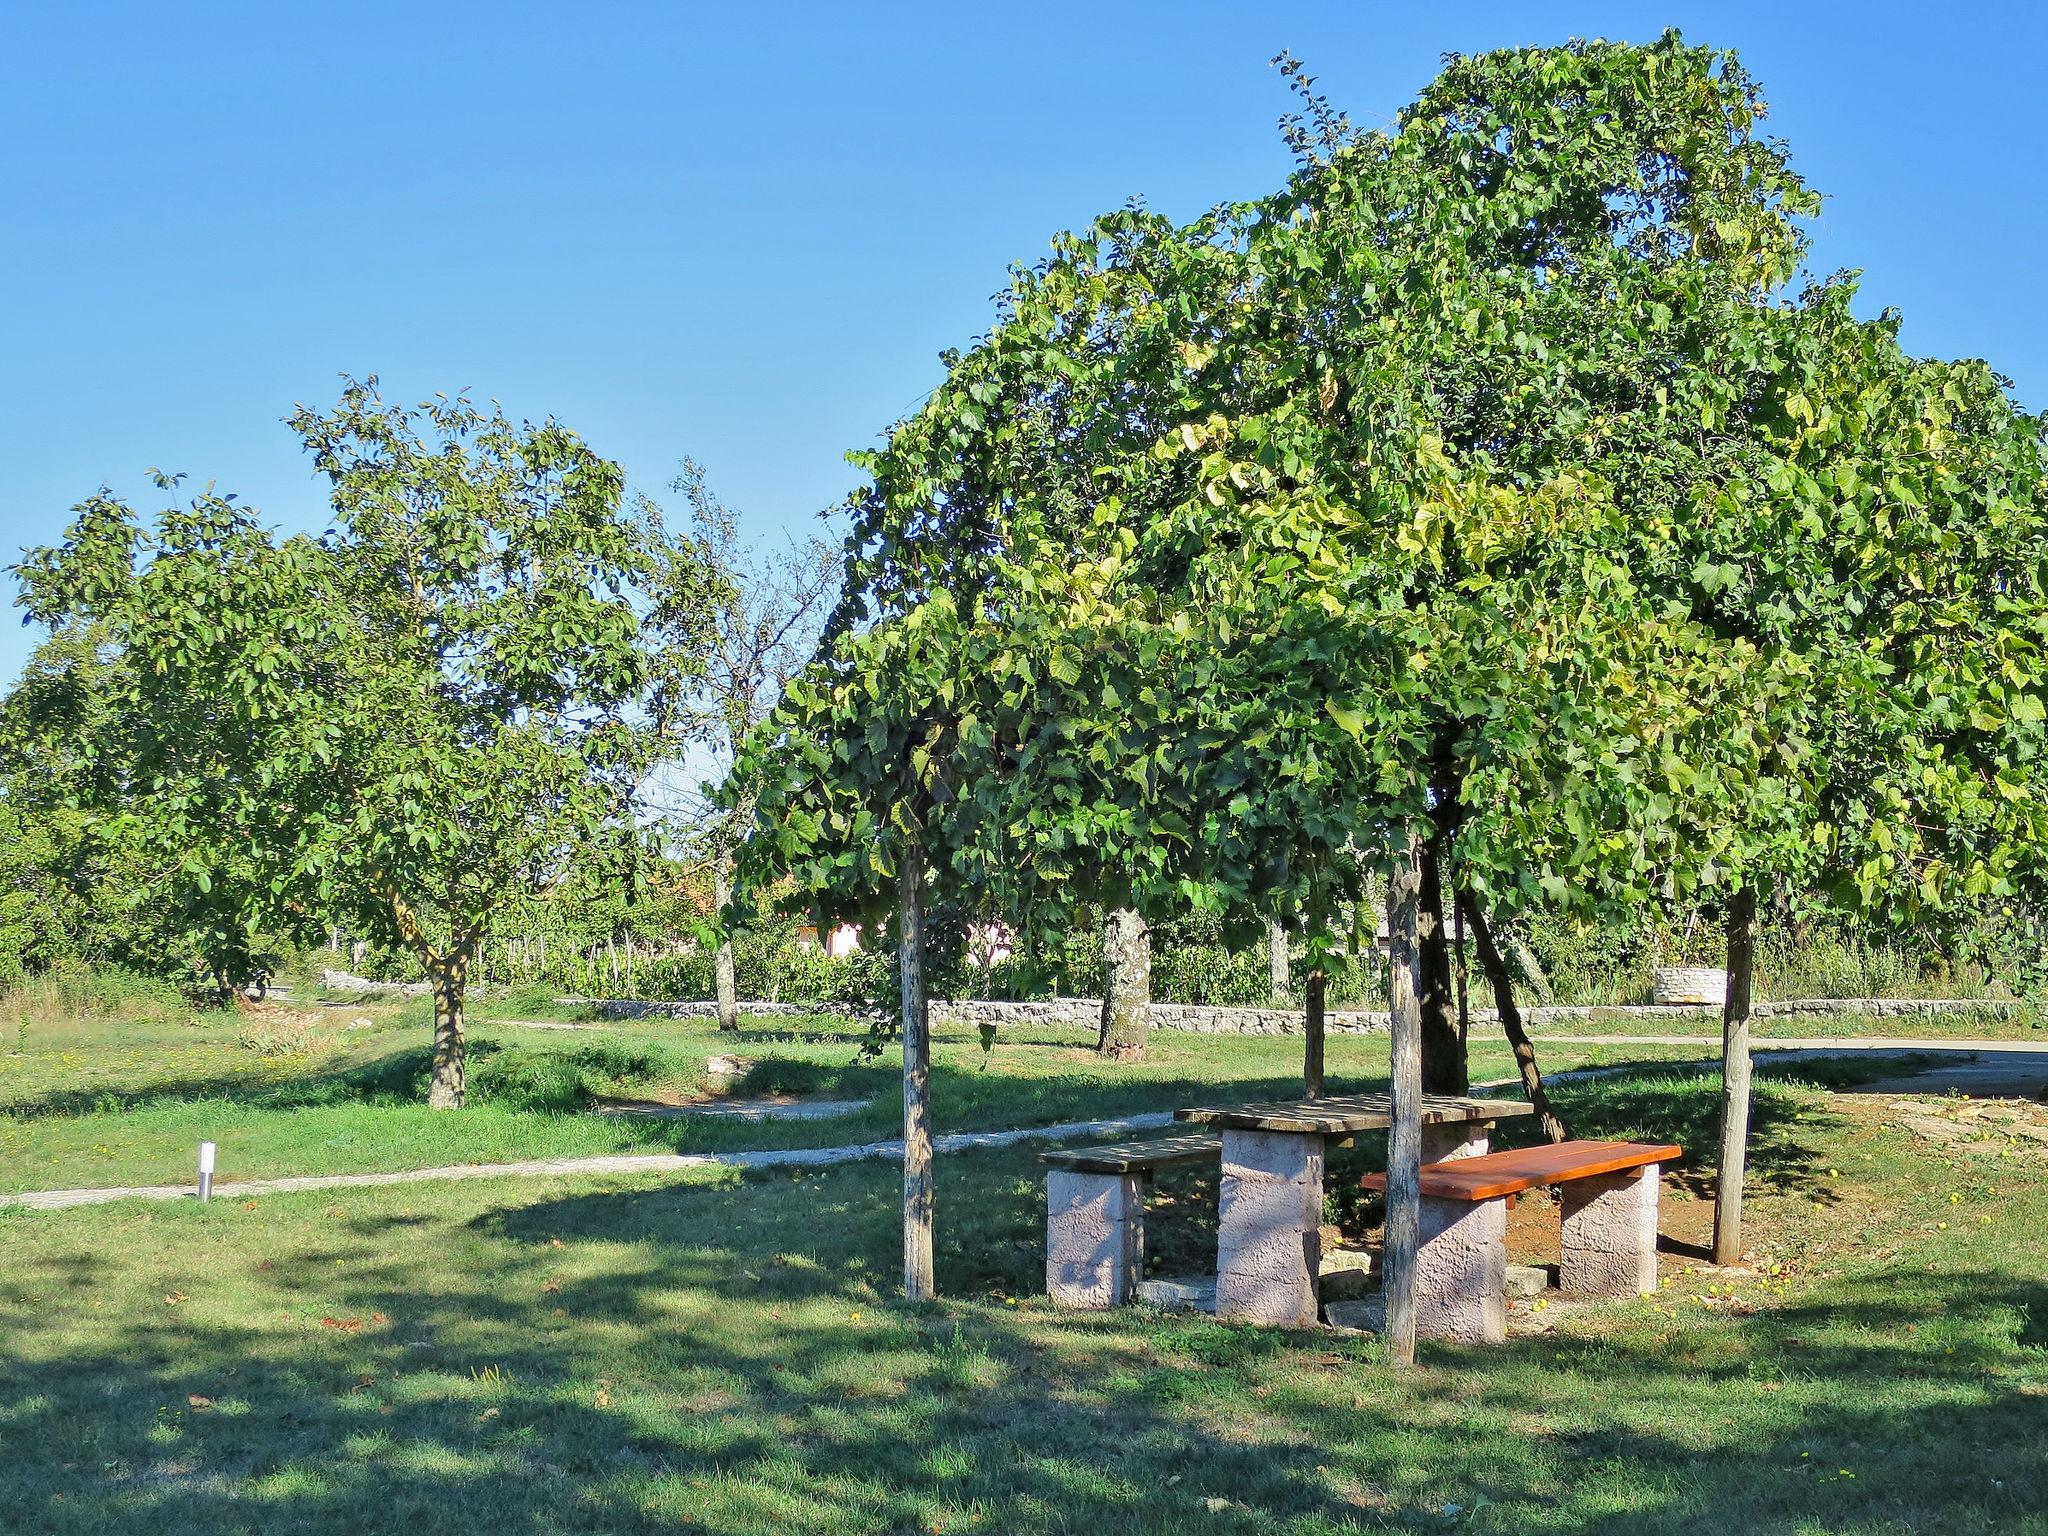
[(1608, 1241), (1269, 1238)]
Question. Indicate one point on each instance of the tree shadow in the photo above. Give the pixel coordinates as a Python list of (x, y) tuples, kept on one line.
[(732, 1364)]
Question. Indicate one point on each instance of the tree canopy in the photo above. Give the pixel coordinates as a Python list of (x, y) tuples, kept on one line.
[(1502, 473), (415, 717)]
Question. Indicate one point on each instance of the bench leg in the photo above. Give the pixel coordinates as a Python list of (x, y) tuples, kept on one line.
[(1269, 1238), (1094, 1237), (1442, 1143), (1461, 1271), (1609, 1241)]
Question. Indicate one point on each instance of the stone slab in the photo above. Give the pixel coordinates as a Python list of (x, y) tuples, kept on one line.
[(1188, 1293)]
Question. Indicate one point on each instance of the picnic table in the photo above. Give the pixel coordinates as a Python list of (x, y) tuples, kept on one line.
[(1269, 1243)]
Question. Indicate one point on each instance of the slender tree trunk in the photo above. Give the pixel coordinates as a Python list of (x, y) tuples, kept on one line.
[(1496, 973), (1404, 1136), (722, 968), (1126, 985), (1464, 976), (1276, 960), (1443, 1053), (1531, 968), (1315, 991), (1735, 1078), (917, 1083), (448, 976)]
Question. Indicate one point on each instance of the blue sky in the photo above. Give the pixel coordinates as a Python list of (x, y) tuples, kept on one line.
[(744, 233)]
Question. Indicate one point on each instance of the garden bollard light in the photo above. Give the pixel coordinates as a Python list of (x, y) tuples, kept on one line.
[(206, 1170)]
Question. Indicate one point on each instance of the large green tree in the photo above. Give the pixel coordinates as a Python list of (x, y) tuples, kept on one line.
[(413, 719)]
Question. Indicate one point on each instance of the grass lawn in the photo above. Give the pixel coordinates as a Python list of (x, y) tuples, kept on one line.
[(720, 1353), (90, 1102), (2021, 1022)]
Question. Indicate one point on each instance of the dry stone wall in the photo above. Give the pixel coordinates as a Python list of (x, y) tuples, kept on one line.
[(1086, 1013)]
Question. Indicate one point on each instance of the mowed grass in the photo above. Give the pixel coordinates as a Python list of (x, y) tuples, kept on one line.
[(98, 1102), (2011, 1021), (721, 1352)]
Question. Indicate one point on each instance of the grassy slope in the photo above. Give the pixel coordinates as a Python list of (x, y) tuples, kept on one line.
[(717, 1353)]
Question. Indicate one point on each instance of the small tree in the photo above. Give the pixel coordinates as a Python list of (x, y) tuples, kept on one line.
[(414, 718), (730, 623)]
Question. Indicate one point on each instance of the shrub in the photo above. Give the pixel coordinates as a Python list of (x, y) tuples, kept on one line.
[(1210, 974), (564, 1082)]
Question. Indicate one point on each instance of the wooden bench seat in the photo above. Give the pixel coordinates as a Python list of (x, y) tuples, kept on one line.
[(1509, 1173), (1607, 1241), (1095, 1214), (1137, 1156)]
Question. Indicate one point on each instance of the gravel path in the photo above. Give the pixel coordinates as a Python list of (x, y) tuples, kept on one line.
[(652, 1162)]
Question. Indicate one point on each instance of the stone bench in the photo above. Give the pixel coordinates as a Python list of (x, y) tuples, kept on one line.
[(1608, 1243), (1095, 1214)]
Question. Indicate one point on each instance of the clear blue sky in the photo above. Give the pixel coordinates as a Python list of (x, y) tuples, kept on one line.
[(743, 233)]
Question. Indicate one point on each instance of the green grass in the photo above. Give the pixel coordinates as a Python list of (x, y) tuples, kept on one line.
[(1990, 1022), (720, 1353), (96, 1102)]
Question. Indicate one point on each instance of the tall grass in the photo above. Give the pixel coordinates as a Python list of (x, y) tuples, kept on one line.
[(56, 998)]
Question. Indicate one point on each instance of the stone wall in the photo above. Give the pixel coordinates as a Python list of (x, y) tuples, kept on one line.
[(1086, 1013)]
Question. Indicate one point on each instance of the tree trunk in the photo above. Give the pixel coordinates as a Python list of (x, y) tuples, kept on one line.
[(1126, 985), (1276, 960), (448, 977), (722, 968), (1404, 1136), (1531, 968), (1735, 1078), (1496, 972), (1443, 1053), (1315, 989), (917, 1082)]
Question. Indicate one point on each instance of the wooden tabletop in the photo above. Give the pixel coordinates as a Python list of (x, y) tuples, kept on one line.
[(1346, 1113)]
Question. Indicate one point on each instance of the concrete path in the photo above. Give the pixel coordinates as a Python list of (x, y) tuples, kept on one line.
[(652, 1162)]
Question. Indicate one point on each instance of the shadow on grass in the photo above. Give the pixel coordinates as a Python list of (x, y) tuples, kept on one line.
[(719, 1357)]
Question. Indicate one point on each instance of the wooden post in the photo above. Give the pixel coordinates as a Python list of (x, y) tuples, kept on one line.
[(917, 1082), (1315, 994), (1735, 1078), (1404, 1136)]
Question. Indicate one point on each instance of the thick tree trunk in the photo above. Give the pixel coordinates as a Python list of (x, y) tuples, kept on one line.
[(448, 977), (1315, 991), (1126, 985), (1443, 1053), (722, 967), (1735, 1078), (1404, 1136), (1276, 960), (1496, 972), (917, 1082)]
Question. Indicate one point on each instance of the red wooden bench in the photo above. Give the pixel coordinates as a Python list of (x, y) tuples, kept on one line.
[(1608, 1243)]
